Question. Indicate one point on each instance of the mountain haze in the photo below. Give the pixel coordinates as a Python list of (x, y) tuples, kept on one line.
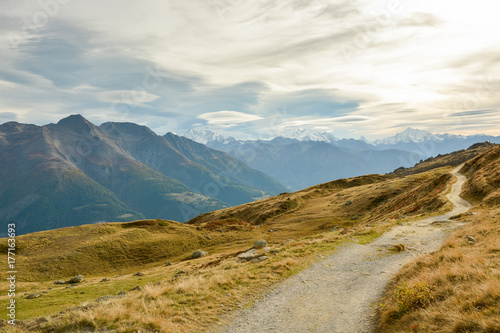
[(300, 164), (303, 157), (428, 144)]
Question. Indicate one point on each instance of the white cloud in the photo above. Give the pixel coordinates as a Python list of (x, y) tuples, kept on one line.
[(325, 123), (228, 117), (425, 56)]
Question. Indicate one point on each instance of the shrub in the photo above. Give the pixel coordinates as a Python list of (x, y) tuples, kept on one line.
[(414, 297)]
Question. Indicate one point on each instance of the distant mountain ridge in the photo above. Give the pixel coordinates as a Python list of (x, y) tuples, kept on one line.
[(300, 164), (430, 145), (206, 136), (74, 172), (409, 135), (409, 139), (300, 158)]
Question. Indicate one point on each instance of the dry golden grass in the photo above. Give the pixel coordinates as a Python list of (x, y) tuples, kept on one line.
[(372, 199), (192, 301), (452, 159), (483, 184), (464, 282), (456, 289), (112, 248)]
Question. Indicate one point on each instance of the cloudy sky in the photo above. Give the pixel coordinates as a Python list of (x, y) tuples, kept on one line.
[(254, 68)]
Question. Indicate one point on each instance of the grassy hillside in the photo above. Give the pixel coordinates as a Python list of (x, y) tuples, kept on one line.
[(456, 289), (452, 159), (347, 202), (190, 295), (112, 247), (483, 173)]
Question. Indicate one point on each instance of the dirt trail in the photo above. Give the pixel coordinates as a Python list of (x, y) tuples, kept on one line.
[(338, 293)]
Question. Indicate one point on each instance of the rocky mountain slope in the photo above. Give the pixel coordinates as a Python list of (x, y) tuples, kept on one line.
[(74, 172)]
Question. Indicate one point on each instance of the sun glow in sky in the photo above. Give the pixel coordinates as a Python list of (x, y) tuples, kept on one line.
[(254, 68)]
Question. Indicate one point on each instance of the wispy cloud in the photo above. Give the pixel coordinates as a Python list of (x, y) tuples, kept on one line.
[(227, 117), (358, 68)]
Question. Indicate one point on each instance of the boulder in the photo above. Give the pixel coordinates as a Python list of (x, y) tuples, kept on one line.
[(249, 255), (76, 279), (138, 274), (260, 258), (198, 254), (261, 243), (107, 297), (138, 288), (31, 296), (179, 273), (348, 202), (60, 282)]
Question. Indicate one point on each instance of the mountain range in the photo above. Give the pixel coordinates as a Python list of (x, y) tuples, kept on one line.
[(431, 145), (411, 139), (302, 157), (74, 172)]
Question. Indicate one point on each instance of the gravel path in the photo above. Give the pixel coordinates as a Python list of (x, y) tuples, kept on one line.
[(338, 293)]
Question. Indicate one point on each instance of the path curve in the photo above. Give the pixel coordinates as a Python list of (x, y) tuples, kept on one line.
[(337, 294)]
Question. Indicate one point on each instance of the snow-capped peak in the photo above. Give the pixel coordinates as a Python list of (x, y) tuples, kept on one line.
[(409, 135), (203, 136), (304, 134)]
